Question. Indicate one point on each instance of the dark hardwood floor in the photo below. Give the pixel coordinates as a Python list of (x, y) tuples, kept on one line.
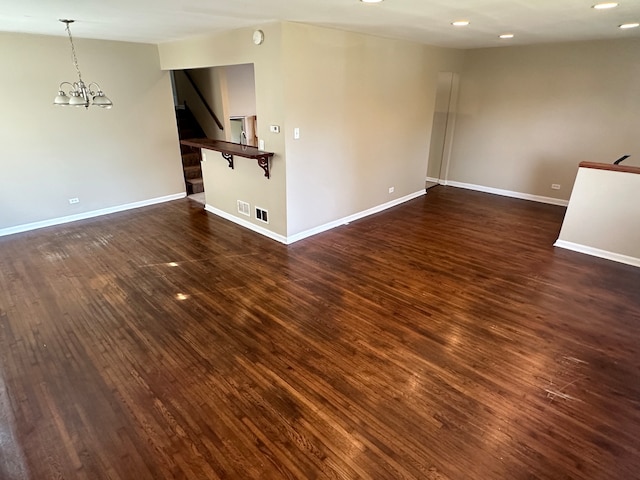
[(442, 339)]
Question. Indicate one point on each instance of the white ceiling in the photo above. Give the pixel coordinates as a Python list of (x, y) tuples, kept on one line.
[(424, 21)]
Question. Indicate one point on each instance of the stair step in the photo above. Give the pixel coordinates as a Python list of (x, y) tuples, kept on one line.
[(195, 185), (191, 159), (192, 172)]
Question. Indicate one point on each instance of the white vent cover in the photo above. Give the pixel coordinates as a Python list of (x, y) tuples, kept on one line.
[(244, 208)]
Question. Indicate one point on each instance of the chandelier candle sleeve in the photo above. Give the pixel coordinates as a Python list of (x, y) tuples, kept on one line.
[(80, 94)]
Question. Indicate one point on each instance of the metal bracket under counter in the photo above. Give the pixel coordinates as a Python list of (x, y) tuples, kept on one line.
[(228, 150)]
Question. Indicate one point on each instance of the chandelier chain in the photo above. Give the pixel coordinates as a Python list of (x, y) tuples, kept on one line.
[(73, 52)]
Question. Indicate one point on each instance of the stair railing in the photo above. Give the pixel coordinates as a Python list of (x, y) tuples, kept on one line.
[(203, 100)]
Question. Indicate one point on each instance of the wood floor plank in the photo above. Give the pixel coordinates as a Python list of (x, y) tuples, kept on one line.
[(443, 339)]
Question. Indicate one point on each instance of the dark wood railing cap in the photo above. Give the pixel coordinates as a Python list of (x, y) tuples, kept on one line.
[(610, 167), (247, 151)]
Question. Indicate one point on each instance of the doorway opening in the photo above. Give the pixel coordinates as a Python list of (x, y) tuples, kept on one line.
[(217, 103), (443, 127)]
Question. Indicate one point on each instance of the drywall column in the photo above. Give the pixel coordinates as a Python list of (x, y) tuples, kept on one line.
[(245, 183), (602, 216)]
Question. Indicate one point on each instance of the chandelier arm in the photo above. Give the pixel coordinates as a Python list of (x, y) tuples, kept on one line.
[(96, 86), (67, 83)]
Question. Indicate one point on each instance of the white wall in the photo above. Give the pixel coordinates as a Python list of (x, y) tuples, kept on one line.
[(603, 215), (106, 158), (527, 116)]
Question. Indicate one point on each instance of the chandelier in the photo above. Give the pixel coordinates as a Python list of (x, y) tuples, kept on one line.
[(80, 95)]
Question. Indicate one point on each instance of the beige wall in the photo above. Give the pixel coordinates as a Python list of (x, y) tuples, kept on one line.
[(364, 106), (528, 115), (602, 216), (106, 158), (246, 182), (241, 88)]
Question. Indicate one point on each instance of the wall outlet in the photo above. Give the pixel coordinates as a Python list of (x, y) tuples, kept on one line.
[(244, 208), (555, 186), (262, 215), (74, 200), (392, 189), (274, 128), (296, 133), (261, 144)]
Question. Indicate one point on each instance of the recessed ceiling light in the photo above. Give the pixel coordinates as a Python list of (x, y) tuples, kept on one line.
[(625, 26), (507, 35), (371, 1), (460, 23), (605, 6)]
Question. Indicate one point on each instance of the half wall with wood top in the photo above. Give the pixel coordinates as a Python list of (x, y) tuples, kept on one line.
[(603, 215)]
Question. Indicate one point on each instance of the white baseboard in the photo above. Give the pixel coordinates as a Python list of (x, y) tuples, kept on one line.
[(313, 231), (508, 193), (83, 216), (352, 218), (596, 252), (433, 180), (246, 224)]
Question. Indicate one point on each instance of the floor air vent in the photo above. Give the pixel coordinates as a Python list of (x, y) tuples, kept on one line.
[(262, 215)]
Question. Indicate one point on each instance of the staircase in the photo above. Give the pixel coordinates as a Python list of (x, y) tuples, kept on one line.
[(188, 127)]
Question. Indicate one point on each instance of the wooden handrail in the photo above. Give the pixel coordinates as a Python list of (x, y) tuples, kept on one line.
[(610, 167), (203, 100)]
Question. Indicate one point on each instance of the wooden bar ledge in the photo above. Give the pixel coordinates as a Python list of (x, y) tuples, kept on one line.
[(229, 149)]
